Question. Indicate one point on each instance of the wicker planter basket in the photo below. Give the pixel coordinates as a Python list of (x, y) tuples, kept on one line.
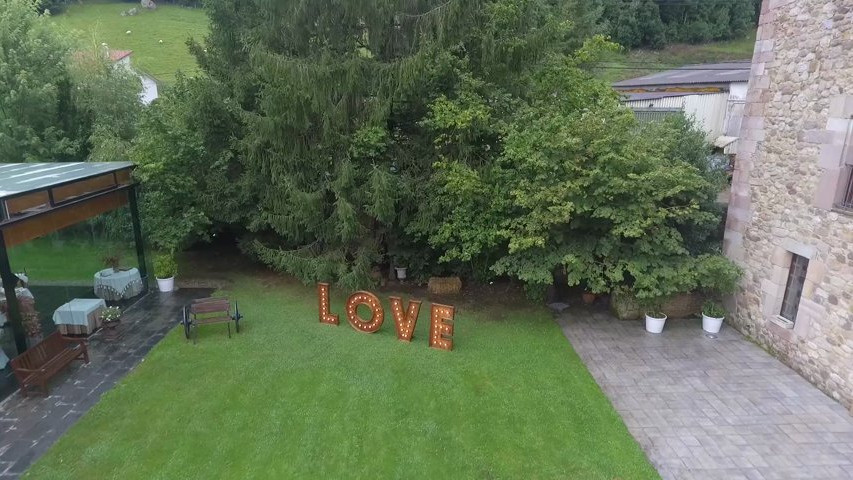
[(625, 306), (444, 285)]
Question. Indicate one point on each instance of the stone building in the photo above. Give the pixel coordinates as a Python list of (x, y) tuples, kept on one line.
[(790, 221)]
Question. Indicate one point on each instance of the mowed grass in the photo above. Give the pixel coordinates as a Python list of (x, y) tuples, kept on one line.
[(101, 22), (292, 398), (74, 260), (636, 63)]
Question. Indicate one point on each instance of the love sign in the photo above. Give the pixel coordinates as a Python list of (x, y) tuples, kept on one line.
[(405, 317)]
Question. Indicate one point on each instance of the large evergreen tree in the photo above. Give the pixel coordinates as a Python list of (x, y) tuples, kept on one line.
[(330, 95)]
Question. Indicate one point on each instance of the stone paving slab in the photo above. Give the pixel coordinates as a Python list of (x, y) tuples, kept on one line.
[(712, 408), (29, 426)]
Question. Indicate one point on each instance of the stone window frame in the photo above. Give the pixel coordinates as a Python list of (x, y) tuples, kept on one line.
[(794, 287), (773, 289), (836, 155)]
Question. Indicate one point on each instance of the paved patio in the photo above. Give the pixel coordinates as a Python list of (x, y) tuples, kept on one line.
[(29, 426), (712, 408)]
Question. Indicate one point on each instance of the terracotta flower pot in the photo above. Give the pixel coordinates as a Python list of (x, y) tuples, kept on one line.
[(588, 298), (111, 331)]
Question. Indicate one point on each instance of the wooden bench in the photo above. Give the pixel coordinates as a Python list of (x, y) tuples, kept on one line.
[(46, 359), (209, 311)]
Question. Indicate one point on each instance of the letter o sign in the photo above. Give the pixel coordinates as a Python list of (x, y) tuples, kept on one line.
[(377, 313)]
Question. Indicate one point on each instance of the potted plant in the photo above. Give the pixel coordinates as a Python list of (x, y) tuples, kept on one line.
[(29, 318), (401, 272), (112, 261), (110, 318), (400, 261), (655, 318), (165, 269), (588, 297), (713, 315), (718, 277)]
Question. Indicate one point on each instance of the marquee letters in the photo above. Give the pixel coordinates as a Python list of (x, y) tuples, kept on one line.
[(405, 318)]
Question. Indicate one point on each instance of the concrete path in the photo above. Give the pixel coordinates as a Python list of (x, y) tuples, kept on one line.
[(712, 408), (29, 426)]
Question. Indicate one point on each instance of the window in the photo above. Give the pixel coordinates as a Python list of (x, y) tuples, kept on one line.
[(794, 287), (844, 196), (846, 199)]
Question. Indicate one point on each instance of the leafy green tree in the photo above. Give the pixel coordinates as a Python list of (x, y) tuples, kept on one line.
[(580, 186), (328, 145), (184, 163), (60, 101), (35, 84)]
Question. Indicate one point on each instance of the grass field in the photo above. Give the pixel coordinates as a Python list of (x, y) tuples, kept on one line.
[(101, 22), (71, 260), (291, 398), (636, 63)]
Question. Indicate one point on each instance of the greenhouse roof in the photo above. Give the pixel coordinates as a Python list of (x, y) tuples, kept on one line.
[(20, 178)]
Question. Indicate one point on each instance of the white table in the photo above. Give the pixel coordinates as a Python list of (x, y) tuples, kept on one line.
[(79, 316), (119, 281)]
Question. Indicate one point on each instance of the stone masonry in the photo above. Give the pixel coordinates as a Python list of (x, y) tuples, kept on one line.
[(793, 164)]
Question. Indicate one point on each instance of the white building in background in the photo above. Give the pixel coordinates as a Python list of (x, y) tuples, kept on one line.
[(121, 58), (713, 95)]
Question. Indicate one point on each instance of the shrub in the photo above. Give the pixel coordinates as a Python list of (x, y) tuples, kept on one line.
[(165, 266), (713, 309), (111, 315)]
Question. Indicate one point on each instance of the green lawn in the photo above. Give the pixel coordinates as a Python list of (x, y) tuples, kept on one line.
[(292, 398), (58, 259), (622, 66), (101, 22)]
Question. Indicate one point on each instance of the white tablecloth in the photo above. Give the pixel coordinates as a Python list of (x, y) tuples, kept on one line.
[(119, 281), (76, 312)]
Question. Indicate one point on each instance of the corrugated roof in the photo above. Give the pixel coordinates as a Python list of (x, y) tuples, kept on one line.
[(705, 74), (630, 97), (17, 178)]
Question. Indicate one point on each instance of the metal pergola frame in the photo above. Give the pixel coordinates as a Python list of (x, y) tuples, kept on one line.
[(55, 201)]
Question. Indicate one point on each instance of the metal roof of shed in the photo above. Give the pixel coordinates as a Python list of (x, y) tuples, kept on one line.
[(19, 178), (634, 97), (704, 74)]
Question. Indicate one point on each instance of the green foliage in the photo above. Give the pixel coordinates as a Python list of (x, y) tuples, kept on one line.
[(35, 84), (713, 309), (650, 23), (330, 131), (185, 165), (453, 137), (165, 266), (111, 315), (60, 102), (580, 185), (716, 274)]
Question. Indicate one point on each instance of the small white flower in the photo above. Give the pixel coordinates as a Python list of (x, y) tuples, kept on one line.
[(127, 32)]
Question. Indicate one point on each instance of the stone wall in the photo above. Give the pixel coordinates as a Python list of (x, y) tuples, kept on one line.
[(792, 163)]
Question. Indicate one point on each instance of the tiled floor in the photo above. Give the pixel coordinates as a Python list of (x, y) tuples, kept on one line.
[(713, 408), (29, 426)]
